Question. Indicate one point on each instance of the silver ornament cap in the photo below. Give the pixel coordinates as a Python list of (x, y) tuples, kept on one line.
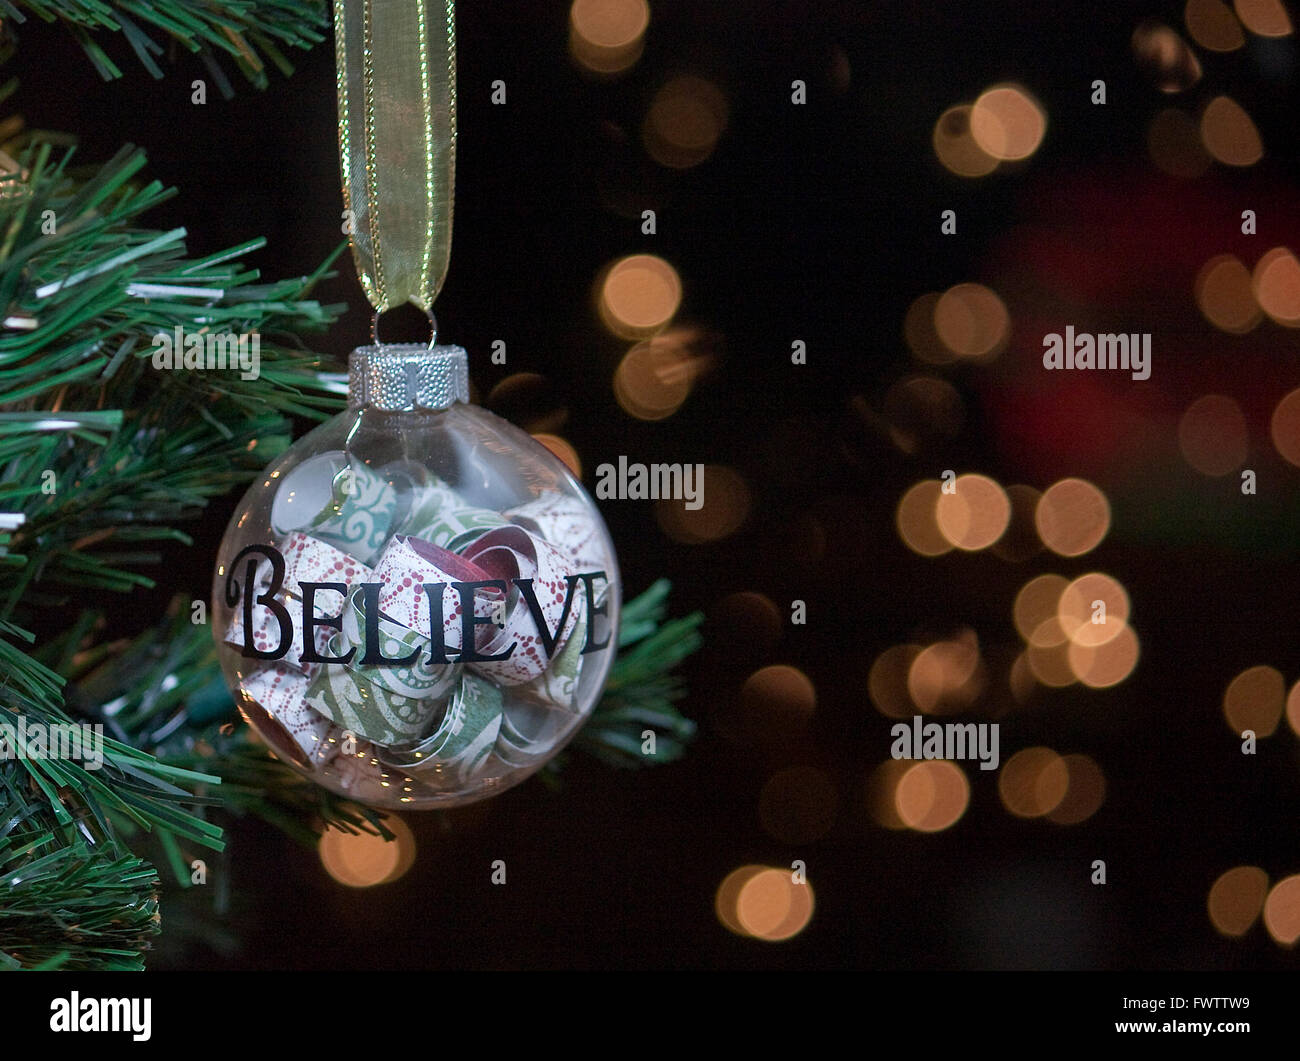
[(404, 377)]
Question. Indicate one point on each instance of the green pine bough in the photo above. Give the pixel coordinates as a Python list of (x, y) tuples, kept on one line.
[(102, 457), (249, 33)]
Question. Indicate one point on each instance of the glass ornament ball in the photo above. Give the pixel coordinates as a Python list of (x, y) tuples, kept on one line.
[(417, 605)]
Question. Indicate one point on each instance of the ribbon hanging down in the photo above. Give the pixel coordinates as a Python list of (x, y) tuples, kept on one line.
[(397, 143)]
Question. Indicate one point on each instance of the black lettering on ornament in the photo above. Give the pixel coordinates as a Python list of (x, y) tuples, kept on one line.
[(371, 614), (310, 622), (267, 599)]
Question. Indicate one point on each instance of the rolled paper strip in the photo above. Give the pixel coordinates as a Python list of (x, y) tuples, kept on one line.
[(407, 565), (369, 711), (463, 740), (439, 515), (566, 523), (558, 684), (511, 552), (304, 733), (528, 732), (308, 559), (418, 679), (340, 500)]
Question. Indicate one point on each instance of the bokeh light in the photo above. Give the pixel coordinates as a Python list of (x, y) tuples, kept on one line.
[(973, 513), (1212, 25), (955, 146), (1212, 435), (1277, 286), (607, 36), (931, 795), (1226, 295), (1007, 123), (1293, 709), (1166, 57), (1036, 603), (1089, 598), (1174, 144), (1048, 656), (362, 860), (798, 804), (919, 408), (1102, 666), (1265, 18), (1284, 427), (916, 519), (919, 331), (971, 321), (1228, 133), (563, 449), (656, 376), (1254, 700), (776, 701), (639, 295), (724, 509), (728, 894), (1084, 794), (772, 907), (881, 787), (1236, 899), (948, 676), (685, 120), (887, 681), (1073, 517), (1033, 782), (1282, 911)]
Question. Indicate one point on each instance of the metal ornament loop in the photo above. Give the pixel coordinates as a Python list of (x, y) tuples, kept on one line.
[(433, 328)]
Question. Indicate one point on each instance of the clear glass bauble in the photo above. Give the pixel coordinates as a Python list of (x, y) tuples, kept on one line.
[(414, 533)]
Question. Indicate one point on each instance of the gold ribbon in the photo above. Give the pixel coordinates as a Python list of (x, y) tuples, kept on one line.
[(397, 143)]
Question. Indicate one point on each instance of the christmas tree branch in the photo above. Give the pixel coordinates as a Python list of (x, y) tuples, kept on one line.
[(247, 32)]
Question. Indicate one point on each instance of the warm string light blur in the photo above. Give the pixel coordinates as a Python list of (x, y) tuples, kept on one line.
[(726, 506), (638, 295), (1166, 57), (685, 121), (1284, 427), (972, 322), (1007, 123), (1212, 435), (1277, 286), (1236, 900), (1254, 700), (1212, 25), (607, 36), (562, 448), (1264, 18), (1228, 133), (948, 676), (1282, 911), (657, 375), (1073, 517), (1226, 296), (362, 860), (931, 796), (955, 146), (764, 902), (1075, 631)]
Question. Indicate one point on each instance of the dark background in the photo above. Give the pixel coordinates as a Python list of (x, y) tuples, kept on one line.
[(818, 223)]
